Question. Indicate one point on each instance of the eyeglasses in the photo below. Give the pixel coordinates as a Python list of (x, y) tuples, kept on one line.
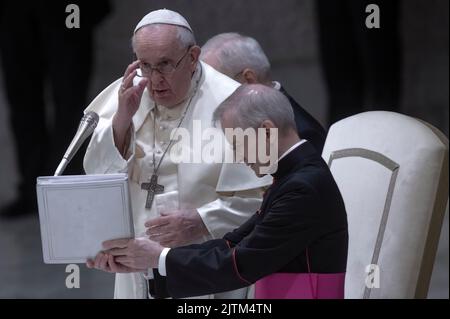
[(164, 68)]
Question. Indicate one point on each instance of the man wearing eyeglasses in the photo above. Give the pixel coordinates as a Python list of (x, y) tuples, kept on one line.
[(166, 89)]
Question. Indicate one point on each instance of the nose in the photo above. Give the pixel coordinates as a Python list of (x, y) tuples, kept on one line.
[(156, 77)]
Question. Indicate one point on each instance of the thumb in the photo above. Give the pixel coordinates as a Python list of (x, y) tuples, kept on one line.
[(142, 84)]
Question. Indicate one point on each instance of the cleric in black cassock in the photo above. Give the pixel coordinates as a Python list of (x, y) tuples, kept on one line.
[(295, 246)]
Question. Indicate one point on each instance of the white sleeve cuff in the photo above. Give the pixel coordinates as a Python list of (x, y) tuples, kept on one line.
[(162, 262)]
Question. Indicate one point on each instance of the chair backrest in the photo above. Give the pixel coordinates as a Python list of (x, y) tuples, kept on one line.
[(392, 171)]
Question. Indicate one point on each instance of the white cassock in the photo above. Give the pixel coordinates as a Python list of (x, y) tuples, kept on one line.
[(225, 195)]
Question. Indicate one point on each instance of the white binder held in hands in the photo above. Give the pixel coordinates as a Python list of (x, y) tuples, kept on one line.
[(78, 213)]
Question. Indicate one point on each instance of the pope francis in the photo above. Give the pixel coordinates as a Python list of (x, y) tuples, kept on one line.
[(165, 89)]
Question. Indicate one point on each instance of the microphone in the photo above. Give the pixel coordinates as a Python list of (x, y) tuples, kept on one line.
[(85, 129)]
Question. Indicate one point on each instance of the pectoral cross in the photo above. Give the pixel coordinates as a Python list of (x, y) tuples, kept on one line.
[(153, 188)]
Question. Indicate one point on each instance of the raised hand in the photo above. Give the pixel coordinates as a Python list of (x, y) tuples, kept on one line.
[(129, 100)]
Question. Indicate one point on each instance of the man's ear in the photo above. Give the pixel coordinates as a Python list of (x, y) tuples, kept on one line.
[(267, 125), (194, 55), (250, 76)]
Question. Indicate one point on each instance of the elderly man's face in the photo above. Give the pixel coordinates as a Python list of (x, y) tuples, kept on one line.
[(157, 45)]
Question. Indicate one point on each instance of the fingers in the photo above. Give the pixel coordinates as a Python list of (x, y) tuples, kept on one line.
[(158, 222), (158, 230), (128, 81), (131, 68), (154, 235), (142, 85), (109, 263), (168, 213), (123, 260), (118, 252), (104, 263), (129, 93), (117, 268), (114, 267), (162, 238), (116, 243), (139, 89), (127, 264), (90, 263), (101, 261), (97, 260)]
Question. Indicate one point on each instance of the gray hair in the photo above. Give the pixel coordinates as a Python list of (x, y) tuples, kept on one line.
[(185, 37), (236, 52), (252, 104)]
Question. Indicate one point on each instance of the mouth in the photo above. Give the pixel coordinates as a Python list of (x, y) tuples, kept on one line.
[(161, 93)]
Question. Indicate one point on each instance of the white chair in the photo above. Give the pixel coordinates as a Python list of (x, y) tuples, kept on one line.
[(392, 171)]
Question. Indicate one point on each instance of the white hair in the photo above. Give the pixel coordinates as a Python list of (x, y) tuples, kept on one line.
[(235, 52), (252, 104), (185, 37)]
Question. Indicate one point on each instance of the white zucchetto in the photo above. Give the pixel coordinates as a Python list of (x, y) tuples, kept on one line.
[(163, 16)]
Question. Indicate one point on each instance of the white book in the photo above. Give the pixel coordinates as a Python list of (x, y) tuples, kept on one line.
[(78, 213)]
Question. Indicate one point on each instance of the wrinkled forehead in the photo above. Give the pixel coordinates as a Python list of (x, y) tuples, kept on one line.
[(160, 38)]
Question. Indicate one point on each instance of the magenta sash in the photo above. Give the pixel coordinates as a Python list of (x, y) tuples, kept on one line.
[(301, 286)]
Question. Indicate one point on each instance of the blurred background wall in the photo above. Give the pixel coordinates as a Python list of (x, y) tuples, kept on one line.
[(288, 32)]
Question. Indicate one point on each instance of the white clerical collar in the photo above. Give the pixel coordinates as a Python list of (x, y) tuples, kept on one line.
[(293, 147), (274, 167), (276, 85)]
